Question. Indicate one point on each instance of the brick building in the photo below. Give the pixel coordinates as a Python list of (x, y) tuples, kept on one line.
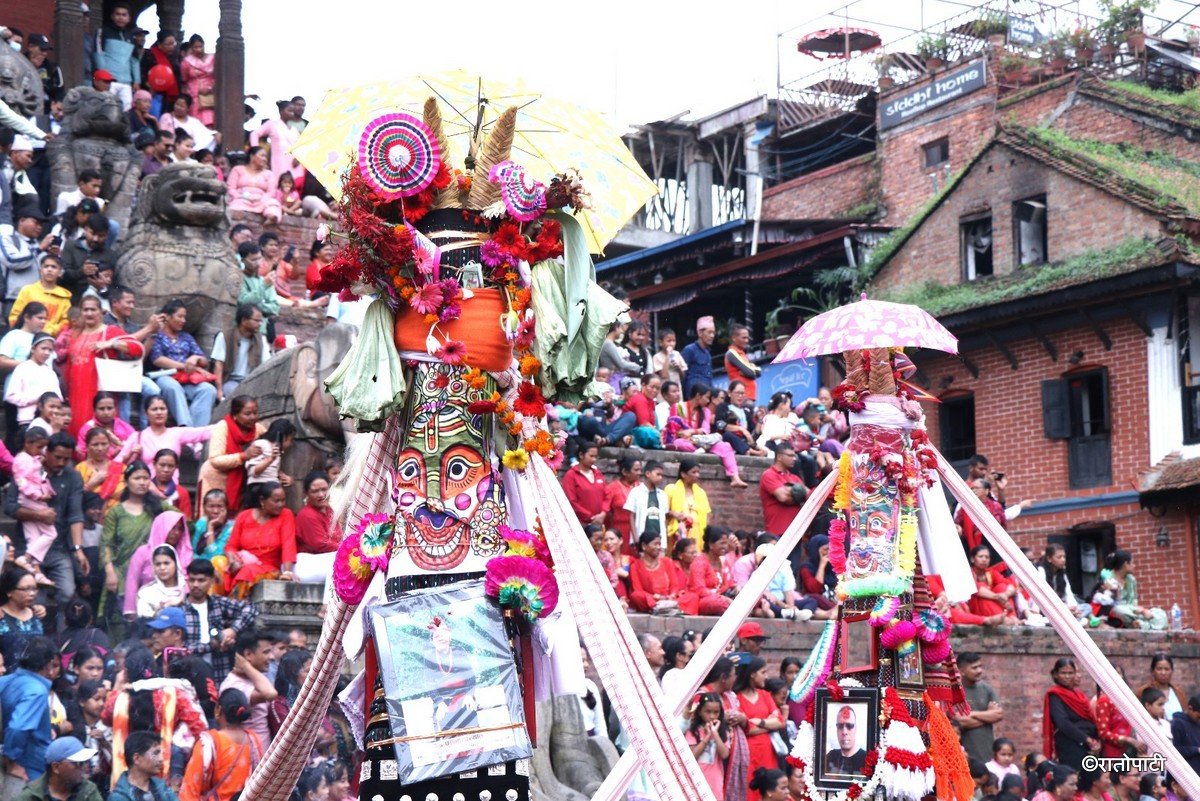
[(1061, 254)]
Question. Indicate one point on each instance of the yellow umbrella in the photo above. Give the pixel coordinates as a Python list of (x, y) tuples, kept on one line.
[(552, 136)]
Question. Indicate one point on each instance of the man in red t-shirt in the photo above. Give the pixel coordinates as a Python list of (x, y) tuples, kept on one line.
[(782, 491)]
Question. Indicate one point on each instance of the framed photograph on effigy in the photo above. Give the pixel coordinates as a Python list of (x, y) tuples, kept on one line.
[(846, 730), (910, 669), (858, 646)]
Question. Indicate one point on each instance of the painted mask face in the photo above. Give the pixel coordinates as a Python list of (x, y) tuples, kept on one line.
[(871, 520), (448, 497)]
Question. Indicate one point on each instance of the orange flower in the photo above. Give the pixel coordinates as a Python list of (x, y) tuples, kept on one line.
[(475, 378), (430, 319), (407, 291), (515, 429), (530, 365), (496, 399)]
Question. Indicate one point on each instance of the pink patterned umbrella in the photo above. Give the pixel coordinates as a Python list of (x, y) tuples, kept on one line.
[(868, 324)]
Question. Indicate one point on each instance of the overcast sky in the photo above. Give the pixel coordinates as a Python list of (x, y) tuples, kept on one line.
[(633, 60)]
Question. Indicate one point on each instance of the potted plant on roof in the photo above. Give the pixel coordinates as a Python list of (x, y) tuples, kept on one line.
[(1083, 42), (935, 50), (883, 66), (1013, 69), (993, 26), (1124, 18), (1054, 52)]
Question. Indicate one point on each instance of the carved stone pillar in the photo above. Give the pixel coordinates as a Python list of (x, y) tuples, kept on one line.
[(170, 18), (68, 40), (231, 74)]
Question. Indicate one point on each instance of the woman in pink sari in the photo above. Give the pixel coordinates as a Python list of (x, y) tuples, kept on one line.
[(281, 137), (251, 187), (197, 70), (169, 528)]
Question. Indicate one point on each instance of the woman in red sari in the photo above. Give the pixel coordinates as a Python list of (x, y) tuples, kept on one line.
[(77, 351), (1116, 734), (263, 542), (708, 577), (230, 447), (655, 578), (993, 594), (762, 716)]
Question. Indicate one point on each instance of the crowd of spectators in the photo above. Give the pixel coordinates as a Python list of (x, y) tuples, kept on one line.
[(741, 725), (135, 664)]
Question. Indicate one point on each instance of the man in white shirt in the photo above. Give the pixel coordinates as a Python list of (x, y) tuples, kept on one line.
[(90, 184), (251, 350), (647, 505)]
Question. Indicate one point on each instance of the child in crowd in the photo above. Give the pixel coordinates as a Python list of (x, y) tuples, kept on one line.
[(287, 195), (1001, 764), (265, 467), (97, 735), (46, 291), (668, 362), (93, 527), (32, 381), (647, 506), (595, 534), (708, 736), (99, 283), (35, 495), (1155, 702)]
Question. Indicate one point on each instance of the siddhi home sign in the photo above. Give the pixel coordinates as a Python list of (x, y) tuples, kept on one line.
[(941, 89)]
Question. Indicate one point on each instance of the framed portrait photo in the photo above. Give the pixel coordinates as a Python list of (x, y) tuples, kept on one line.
[(858, 645), (910, 669), (846, 730)]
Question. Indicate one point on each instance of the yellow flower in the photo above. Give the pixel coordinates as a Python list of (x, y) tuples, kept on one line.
[(515, 460)]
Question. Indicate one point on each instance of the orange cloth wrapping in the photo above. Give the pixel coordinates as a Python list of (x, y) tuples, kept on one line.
[(478, 328)]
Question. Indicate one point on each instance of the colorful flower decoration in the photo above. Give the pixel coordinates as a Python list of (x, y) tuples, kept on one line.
[(519, 542), (936, 652), (516, 459), (398, 155), (932, 626), (524, 198), (885, 610), (900, 632), (523, 584), (351, 573), (846, 398), (375, 540)]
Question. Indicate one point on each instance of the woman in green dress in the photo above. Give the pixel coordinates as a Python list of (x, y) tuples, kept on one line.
[(126, 527)]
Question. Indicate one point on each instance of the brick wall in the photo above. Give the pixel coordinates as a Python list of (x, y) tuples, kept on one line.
[(826, 193), (1093, 118), (905, 181), (1016, 661), (735, 508), (998, 179), (299, 232), (30, 18)]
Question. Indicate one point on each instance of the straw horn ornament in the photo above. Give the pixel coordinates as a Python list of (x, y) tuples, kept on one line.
[(882, 381), (496, 148), (447, 198)]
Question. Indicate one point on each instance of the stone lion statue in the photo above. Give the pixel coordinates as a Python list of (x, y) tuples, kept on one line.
[(20, 85), (178, 248), (95, 134)]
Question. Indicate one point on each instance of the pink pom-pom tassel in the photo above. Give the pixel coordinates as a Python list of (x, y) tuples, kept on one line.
[(899, 632)]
